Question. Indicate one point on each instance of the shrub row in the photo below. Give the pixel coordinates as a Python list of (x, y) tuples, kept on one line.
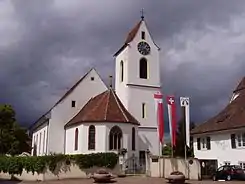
[(15, 165)]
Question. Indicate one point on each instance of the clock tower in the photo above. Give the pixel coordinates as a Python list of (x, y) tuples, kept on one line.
[(137, 79)]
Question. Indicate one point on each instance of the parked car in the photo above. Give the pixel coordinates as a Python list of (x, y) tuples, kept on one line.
[(229, 172)]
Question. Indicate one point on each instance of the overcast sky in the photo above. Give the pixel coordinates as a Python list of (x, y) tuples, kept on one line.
[(47, 45)]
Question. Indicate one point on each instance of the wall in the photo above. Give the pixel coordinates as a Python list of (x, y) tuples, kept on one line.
[(163, 166), (100, 139), (120, 86), (39, 137), (102, 130), (148, 139), (66, 172), (220, 149), (127, 137), (63, 112)]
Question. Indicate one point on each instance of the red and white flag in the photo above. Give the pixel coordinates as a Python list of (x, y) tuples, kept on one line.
[(172, 118), (160, 116)]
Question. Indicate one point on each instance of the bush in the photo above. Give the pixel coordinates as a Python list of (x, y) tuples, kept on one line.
[(15, 165)]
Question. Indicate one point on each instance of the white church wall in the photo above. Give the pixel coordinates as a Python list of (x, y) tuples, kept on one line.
[(70, 140), (127, 137), (119, 84), (148, 139), (137, 96), (83, 129), (100, 137), (39, 137), (63, 112)]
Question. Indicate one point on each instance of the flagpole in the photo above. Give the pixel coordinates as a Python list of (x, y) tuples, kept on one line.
[(184, 131), (160, 128), (186, 117)]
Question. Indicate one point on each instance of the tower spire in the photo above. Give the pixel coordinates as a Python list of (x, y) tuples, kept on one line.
[(142, 14)]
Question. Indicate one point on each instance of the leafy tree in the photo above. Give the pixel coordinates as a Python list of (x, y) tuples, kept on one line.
[(13, 138), (180, 140), (167, 150)]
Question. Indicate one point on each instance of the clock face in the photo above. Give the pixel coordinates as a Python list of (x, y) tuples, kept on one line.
[(144, 48)]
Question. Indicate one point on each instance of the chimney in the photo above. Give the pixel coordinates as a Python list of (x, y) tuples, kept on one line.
[(110, 80)]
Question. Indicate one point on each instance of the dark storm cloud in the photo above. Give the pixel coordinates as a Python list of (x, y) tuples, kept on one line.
[(47, 45)]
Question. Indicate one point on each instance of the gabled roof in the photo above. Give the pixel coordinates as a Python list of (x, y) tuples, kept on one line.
[(44, 117), (131, 35), (231, 117), (105, 107)]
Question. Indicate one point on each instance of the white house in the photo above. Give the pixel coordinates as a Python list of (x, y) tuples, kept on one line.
[(221, 140), (91, 117)]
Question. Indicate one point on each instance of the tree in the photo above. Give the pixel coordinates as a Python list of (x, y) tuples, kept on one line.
[(13, 138), (167, 150), (180, 140)]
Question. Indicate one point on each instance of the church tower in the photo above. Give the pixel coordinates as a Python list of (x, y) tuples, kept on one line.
[(137, 78)]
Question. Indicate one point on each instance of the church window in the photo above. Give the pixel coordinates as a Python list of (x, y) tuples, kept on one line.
[(91, 137), (92, 78), (121, 71), (143, 68), (143, 35), (133, 138), (115, 138), (76, 139), (143, 110), (73, 103)]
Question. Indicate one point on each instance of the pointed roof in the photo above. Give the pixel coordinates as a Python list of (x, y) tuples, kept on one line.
[(240, 86), (105, 107), (131, 35), (44, 117), (231, 117)]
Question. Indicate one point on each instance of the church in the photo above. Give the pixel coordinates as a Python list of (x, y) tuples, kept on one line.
[(93, 117)]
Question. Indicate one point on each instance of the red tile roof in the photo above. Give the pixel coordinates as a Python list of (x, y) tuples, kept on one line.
[(231, 117), (105, 107)]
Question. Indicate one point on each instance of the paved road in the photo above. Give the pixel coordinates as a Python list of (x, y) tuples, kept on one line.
[(127, 180)]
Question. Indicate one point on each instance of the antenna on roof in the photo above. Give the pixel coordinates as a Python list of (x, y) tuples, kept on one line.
[(142, 14), (110, 81)]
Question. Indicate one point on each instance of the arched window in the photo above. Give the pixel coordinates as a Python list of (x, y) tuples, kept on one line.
[(121, 71), (143, 68), (115, 138), (76, 139), (133, 138), (91, 137)]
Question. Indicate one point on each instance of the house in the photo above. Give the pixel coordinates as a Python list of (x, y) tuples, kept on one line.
[(221, 139), (92, 117)]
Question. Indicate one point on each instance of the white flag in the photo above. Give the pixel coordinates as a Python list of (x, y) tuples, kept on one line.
[(185, 102)]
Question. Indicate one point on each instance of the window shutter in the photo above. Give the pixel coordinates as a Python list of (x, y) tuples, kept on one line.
[(198, 144), (208, 143), (233, 141)]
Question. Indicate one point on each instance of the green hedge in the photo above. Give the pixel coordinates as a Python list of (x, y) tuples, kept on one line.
[(15, 165)]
